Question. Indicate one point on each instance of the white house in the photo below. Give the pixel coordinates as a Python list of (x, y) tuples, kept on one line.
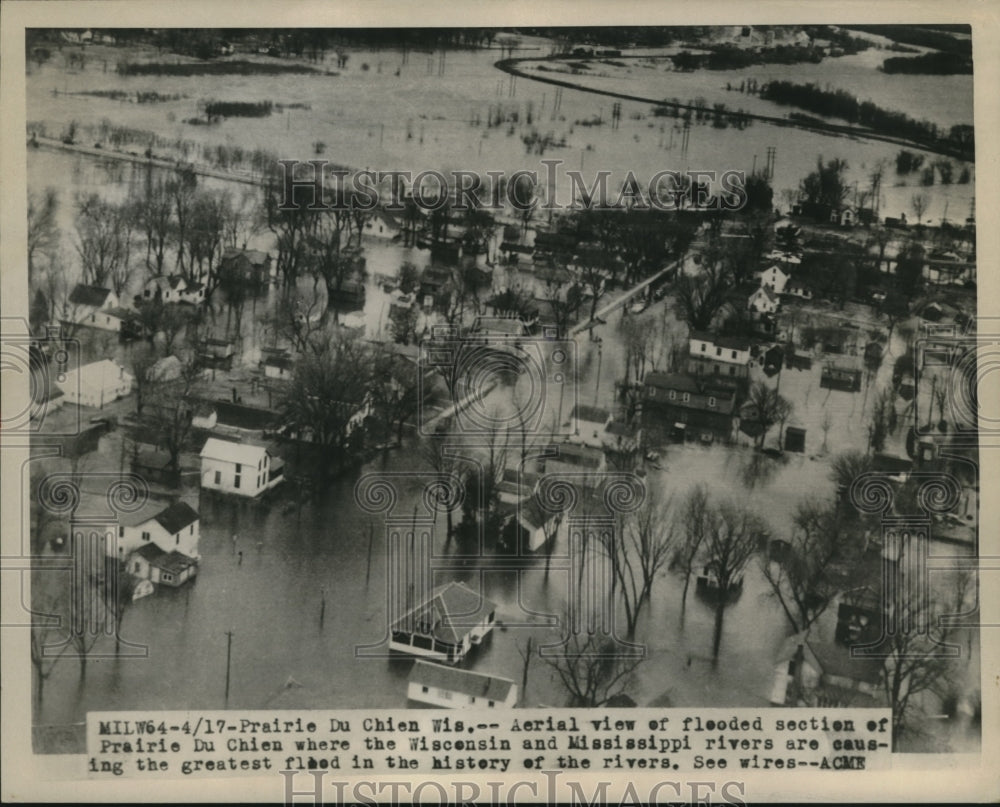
[(709, 354), (96, 307), (239, 468), (173, 289), (538, 525), (173, 528), (800, 286), (278, 365), (382, 224), (96, 384), (152, 564), (774, 278), (589, 423), (808, 672), (452, 688), (763, 301), (446, 625)]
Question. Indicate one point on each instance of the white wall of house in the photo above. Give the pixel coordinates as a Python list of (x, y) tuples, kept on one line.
[(706, 349), (448, 699), (228, 476), (774, 279), (96, 384), (184, 541)]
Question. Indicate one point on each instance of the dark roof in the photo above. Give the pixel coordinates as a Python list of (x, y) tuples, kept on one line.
[(618, 428), (729, 342), (175, 562), (450, 611), (592, 414), (284, 362), (177, 517), (254, 256), (89, 295), (658, 387), (837, 660), (150, 552), (479, 685), (889, 463)]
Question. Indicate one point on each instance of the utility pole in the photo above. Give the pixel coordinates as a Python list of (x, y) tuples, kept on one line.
[(322, 605), (229, 655), (597, 383)]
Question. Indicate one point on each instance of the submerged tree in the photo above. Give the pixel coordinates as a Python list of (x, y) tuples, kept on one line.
[(592, 669)]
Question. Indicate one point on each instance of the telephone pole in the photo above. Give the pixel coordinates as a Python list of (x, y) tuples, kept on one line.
[(229, 655)]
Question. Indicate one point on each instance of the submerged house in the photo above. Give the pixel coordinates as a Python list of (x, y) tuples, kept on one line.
[(96, 384), (451, 688), (239, 468), (446, 625), (160, 545)]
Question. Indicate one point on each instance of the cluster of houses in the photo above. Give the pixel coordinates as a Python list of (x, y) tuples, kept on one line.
[(100, 308)]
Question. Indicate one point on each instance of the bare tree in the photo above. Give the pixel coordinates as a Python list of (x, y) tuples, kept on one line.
[(732, 537), (915, 662), (694, 516), (592, 669), (814, 566), (700, 297), (919, 202), (637, 552), (48, 616), (43, 228), (769, 408)]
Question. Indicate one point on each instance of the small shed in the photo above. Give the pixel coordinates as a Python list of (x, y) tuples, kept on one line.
[(795, 439)]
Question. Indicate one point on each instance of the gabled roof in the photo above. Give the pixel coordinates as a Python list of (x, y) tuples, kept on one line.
[(728, 342), (467, 682), (837, 660), (229, 451), (176, 517), (254, 256), (174, 563), (771, 296), (89, 295), (151, 552), (450, 612)]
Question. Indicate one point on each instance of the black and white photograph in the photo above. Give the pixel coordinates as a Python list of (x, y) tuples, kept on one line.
[(614, 368)]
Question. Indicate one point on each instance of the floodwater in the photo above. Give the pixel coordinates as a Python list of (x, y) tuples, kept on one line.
[(431, 116), (299, 563)]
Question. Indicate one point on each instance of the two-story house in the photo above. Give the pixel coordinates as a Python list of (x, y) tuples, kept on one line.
[(688, 408), (160, 544), (239, 468), (727, 356)]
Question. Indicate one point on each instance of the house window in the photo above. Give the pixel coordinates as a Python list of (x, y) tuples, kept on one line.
[(472, 698), (121, 532), (445, 694), (167, 577), (490, 703), (718, 351), (145, 536), (686, 398), (734, 354), (424, 690), (672, 395), (135, 567), (703, 346), (236, 481), (191, 531), (239, 468), (218, 477), (177, 539)]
